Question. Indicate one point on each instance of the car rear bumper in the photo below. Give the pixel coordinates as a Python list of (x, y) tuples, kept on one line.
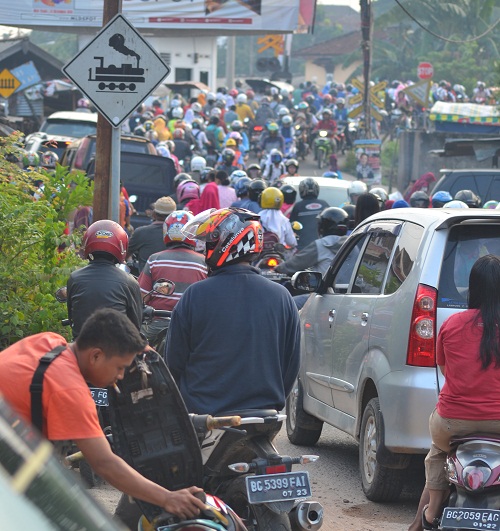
[(407, 398)]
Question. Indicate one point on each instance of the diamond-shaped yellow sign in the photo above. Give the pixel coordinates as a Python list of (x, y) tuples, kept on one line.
[(8, 83)]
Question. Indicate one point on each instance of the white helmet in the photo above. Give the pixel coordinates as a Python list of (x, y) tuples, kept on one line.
[(241, 98), (210, 96), (456, 204), (177, 112), (175, 103), (198, 164), (283, 111), (196, 107), (216, 112), (340, 101), (357, 188)]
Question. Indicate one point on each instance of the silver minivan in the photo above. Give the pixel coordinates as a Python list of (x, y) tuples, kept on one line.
[(369, 333)]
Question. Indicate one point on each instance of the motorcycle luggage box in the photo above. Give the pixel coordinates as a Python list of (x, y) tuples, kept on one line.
[(152, 430)]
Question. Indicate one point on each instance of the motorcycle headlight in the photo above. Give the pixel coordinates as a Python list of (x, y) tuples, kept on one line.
[(475, 477)]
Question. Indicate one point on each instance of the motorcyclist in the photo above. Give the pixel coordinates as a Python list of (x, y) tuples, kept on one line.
[(186, 192), (272, 139), (228, 162), (264, 113), (419, 199), (254, 171), (471, 199), (328, 124), (148, 239), (273, 220), (210, 324), (439, 199), (274, 167), (381, 195), (238, 161), (292, 168), (237, 127), (248, 192), (289, 197), (332, 227), (182, 148), (306, 210), (243, 110), (100, 284), (356, 188), (341, 116), (179, 262)]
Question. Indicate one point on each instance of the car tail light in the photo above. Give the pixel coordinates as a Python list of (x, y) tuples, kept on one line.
[(276, 469), (422, 341), (80, 154)]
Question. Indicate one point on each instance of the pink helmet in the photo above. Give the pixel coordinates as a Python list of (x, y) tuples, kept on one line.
[(187, 190), (236, 135)]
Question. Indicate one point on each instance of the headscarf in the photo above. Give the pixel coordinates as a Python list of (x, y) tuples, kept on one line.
[(209, 197), (422, 184)]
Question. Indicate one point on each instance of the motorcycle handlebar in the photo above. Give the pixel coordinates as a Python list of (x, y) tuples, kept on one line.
[(214, 423)]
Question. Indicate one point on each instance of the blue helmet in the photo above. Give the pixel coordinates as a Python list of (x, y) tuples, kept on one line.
[(241, 186), (236, 176), (331, 174), (441, 198)]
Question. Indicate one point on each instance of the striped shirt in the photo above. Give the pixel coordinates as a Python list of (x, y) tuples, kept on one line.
[(180, 265)]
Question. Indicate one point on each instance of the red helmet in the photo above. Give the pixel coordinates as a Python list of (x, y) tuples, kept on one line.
[(108, 237), (230, 234), (250, 94), (172, 227), (188, 190), (233, 93)]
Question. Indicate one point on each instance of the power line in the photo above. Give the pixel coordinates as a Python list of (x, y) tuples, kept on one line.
[(444, 38)]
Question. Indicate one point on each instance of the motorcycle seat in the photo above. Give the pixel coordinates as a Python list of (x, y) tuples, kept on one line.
[(489, 437), (250, 413)]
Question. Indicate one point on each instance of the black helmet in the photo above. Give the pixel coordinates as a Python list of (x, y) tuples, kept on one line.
[(292, 162), (255, 188), (419, 199), (309, 187), (351, 212), (228, 155), (333, 220), (469, 198), (289, 193)]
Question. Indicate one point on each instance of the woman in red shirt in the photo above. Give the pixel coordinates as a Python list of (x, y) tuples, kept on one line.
[(468, 354)]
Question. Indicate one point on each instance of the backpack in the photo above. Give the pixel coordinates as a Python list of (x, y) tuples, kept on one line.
[(264, 114)]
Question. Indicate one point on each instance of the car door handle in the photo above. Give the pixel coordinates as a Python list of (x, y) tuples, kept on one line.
[(364, 318), (331, 317)]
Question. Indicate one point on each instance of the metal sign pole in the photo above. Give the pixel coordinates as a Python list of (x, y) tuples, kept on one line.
[(114, 185)]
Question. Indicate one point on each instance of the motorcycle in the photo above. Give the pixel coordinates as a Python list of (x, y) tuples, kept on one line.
[(243, 467), (473, 467), (323, 148), (255, 134), (340, 139)]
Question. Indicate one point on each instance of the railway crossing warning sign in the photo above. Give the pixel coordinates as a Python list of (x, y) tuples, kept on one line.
[(117, 70)]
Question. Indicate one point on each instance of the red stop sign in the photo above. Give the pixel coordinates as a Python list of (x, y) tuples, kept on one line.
[(425, 71)]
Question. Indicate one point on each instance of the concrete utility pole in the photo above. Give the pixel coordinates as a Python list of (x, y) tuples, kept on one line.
[(102, 177), (366, 47), (230, 59)]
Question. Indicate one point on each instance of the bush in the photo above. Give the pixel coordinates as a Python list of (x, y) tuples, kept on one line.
[(350, 162), (36, 257)]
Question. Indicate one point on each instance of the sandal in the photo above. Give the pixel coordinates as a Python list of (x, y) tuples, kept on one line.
[(429, 525)]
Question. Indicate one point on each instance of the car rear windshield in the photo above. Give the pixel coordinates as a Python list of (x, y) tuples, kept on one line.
[(69, 128), (466, 243)]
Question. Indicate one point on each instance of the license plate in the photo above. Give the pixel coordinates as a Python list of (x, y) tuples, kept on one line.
[(278, 487), (100, 396), (463, 518)]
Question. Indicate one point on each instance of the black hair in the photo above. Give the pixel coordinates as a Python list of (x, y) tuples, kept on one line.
[(366, 205), (223, 177), (484, 295), (111, 331)]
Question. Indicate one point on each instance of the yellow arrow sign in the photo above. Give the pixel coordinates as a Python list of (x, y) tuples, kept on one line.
[(376, 100), (373, 111), (358, 84), (357, 98), (354, 112), (375, 114), (8, 83)]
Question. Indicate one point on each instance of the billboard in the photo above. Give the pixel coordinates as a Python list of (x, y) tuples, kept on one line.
[(216, 16)]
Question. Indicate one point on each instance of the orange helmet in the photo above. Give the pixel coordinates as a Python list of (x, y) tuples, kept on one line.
[(230, 234)]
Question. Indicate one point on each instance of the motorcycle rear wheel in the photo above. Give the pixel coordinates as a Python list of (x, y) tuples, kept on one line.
[(321, 158), (255, 517)]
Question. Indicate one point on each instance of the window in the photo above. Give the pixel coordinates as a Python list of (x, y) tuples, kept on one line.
[(343, 277), (465, 245), (373, 266), (404, 257)]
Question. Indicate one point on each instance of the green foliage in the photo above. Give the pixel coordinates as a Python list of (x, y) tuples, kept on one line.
[(36, 257), (63, 46), (389, 156), (350, 162)]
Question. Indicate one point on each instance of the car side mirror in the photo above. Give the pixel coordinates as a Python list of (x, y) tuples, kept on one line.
[(308, 281), (62, 294)]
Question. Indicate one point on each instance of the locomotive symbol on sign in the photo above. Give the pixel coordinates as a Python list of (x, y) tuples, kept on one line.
[(122, 78)]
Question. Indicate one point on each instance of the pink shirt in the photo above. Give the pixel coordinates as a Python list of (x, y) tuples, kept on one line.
[(469, 392), (227, 196)]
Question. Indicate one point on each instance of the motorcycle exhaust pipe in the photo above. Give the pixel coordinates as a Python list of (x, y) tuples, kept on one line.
[(306, 516)]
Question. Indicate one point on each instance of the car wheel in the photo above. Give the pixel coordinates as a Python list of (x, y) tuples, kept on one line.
[(380, 484), (302, 429)]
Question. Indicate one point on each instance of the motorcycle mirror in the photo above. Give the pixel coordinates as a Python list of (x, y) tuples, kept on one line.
[(164, 287), (132, 198), (123, 267), (297, 225), (62, 294)]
